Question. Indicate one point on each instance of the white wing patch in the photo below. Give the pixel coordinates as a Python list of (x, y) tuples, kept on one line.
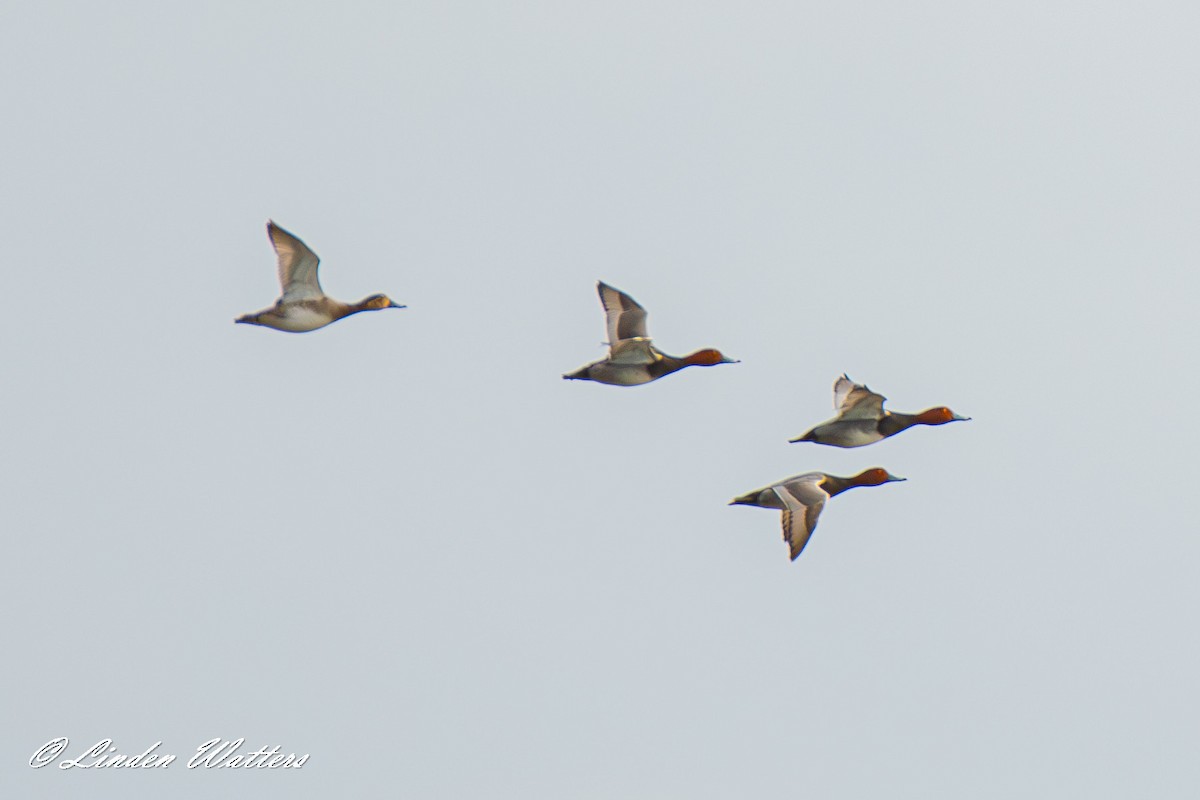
[(633, 352)]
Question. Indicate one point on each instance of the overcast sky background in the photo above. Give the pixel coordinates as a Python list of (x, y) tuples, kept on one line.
[(403, 545)]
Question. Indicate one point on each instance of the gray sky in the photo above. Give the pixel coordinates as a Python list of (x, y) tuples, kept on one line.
[(405, 546)]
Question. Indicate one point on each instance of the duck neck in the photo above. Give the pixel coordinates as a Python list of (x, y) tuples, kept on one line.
[(666, 365), (340, 310), (893, 422), (835, 484)]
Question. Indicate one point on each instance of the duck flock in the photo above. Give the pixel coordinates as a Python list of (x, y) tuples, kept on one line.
[(631, 361)]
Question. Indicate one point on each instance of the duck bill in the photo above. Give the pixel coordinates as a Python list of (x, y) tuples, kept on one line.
[(394, 304), (893, 478), (959, 418)]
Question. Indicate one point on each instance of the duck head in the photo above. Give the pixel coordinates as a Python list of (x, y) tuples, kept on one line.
[(708, 358), (378, 302), (938, 416), (875, 476)]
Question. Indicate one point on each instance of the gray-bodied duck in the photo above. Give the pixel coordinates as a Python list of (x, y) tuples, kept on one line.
[(801, 498), (632, 358), (861, 419), (303, 306)]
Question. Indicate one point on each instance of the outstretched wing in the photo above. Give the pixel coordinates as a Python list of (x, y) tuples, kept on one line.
[(803, 500), (855, 401), (297, 266), (626, 319)]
